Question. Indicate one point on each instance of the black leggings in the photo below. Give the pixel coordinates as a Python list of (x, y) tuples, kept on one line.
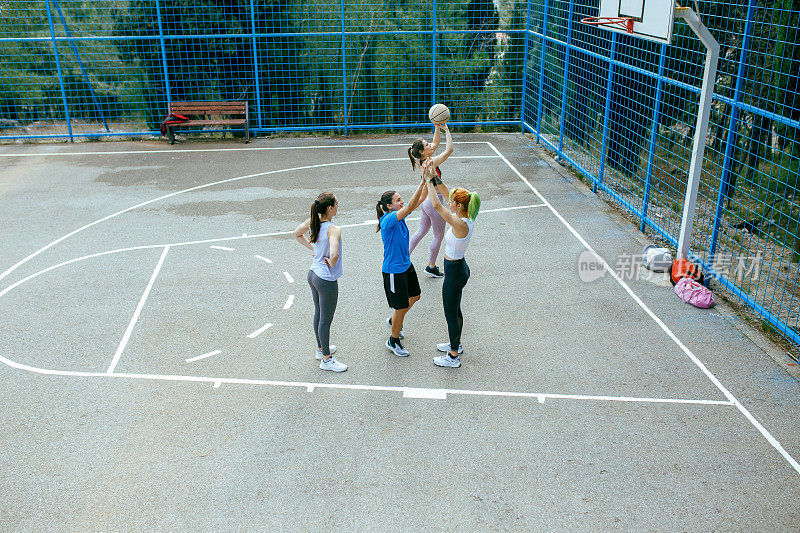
[(456, 274), (325, 294)]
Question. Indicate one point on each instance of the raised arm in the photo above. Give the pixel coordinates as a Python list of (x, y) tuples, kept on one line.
[(417, 198), (299, 234), (448, 149), (436, 138), (460, 228), (334, 236)]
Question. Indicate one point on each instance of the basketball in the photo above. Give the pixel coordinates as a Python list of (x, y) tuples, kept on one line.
[(439, 113)]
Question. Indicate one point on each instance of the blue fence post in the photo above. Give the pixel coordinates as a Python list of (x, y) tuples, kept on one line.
[(58, 68), (256, 70), (565, 82), (97, 105), (653, 134), (541, 72), (607, 112), (344, 73), (525, 68), (433, 64), (163, 54), (726, 162)]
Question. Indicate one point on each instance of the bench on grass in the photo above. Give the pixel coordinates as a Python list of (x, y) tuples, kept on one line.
[(222, 113)]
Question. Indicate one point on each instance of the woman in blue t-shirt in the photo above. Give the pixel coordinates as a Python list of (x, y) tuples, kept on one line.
[(400, 281)]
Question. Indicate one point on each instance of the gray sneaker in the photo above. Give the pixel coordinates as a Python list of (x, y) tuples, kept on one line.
[(398, 349), (332, 348), (445, 347), (389, 323), (333, 365), (446, 360)]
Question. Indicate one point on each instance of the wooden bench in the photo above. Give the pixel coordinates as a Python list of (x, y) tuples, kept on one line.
[(222, 113)]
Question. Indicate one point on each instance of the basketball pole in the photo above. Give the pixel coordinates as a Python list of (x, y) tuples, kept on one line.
[(701, 129)]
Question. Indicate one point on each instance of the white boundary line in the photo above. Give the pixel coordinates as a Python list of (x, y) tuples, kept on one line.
[(767, 435), (198, 187), (250, 149), (138, 311), (310, 386)]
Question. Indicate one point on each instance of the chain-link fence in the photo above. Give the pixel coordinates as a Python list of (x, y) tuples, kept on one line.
[(619, 109)]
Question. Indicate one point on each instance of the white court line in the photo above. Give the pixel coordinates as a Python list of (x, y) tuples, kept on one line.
[(345, 386), (209, 354), (250, 149), (259, 257), (206, 241), (289, 301), (767, 435), (259, 331), (288, 277), (138, 311), (222, 248), (198, 187)]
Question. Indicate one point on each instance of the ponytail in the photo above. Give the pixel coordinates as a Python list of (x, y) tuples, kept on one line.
[(415, 152), (319, 208), (383, 203), (474, 206)]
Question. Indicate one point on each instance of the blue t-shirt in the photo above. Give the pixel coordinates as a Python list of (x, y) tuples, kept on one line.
[(394, 233)]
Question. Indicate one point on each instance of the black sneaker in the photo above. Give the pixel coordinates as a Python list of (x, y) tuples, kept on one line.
[(434, 272)]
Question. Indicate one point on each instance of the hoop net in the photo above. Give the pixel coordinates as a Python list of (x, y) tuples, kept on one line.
[(625, 23)]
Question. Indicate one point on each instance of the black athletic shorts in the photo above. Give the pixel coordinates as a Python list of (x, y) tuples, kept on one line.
[(400, 287)]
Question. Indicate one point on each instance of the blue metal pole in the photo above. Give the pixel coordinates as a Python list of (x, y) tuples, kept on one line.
[(541, 72), (565, 82), (607, 111), (344, 73), (726, 162), (525, 67), (653, 134), (256, 68), (433, 76), (163, 53), (58, 68), (97, 105)]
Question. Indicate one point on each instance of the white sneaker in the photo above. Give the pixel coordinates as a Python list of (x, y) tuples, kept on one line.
[(445, 347), (332, 348), (389, 323), (446, 360), (398, 349), (333, 365)]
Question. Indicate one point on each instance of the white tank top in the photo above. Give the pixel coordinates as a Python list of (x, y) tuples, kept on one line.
[(322, 249), (454, 247)]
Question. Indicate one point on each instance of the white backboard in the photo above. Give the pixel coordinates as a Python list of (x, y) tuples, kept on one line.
[(652, 19)]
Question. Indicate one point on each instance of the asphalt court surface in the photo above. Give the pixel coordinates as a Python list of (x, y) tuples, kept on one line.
[(202, 281)]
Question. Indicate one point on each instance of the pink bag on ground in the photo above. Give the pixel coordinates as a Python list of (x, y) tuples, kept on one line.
[(693, 293)]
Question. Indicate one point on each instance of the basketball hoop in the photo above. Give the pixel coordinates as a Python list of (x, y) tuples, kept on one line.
[(625, 23)]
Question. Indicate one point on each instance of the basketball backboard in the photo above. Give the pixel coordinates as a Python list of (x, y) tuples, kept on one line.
[(652, 19)]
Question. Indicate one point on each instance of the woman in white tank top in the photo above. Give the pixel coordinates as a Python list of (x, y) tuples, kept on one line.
[(325, 240), (463, 209)]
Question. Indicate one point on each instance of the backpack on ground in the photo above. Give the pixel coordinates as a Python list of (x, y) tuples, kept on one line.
[(693, 293)]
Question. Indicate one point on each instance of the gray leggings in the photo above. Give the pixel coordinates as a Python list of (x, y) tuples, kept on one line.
[(325, 294)]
